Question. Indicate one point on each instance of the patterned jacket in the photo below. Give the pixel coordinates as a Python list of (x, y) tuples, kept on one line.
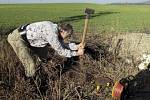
[(39, 34)]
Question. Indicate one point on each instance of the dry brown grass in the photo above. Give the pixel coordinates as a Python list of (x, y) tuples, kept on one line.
[(65, 79)]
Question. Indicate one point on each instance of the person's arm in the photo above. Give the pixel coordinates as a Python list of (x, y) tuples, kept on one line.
[(71, 46), (52, 38), (74, 46), (56, 45)]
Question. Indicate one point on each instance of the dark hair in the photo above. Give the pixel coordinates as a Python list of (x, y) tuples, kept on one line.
[(66, 27)]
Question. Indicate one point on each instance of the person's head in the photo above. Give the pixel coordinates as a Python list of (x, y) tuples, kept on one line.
[(65, 30)]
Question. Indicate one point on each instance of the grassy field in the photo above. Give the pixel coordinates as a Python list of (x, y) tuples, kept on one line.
[(120, 18)]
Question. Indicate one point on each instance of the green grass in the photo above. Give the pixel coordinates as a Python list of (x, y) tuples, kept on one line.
[(120, 18)]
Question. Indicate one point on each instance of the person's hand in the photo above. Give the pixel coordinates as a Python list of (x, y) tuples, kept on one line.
[(81, 45), (80, 51)]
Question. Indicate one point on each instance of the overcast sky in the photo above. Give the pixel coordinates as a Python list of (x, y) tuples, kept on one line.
[(69, 1)]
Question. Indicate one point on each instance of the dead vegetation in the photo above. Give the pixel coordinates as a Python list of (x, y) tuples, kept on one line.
[(66, 78)]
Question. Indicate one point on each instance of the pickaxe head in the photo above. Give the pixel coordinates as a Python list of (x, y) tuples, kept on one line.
[(89, 11)]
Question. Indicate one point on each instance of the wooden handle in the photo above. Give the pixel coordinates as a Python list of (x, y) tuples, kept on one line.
[(85, 30)]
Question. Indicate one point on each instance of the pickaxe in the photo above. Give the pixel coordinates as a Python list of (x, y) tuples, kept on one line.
[(88, 12)]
